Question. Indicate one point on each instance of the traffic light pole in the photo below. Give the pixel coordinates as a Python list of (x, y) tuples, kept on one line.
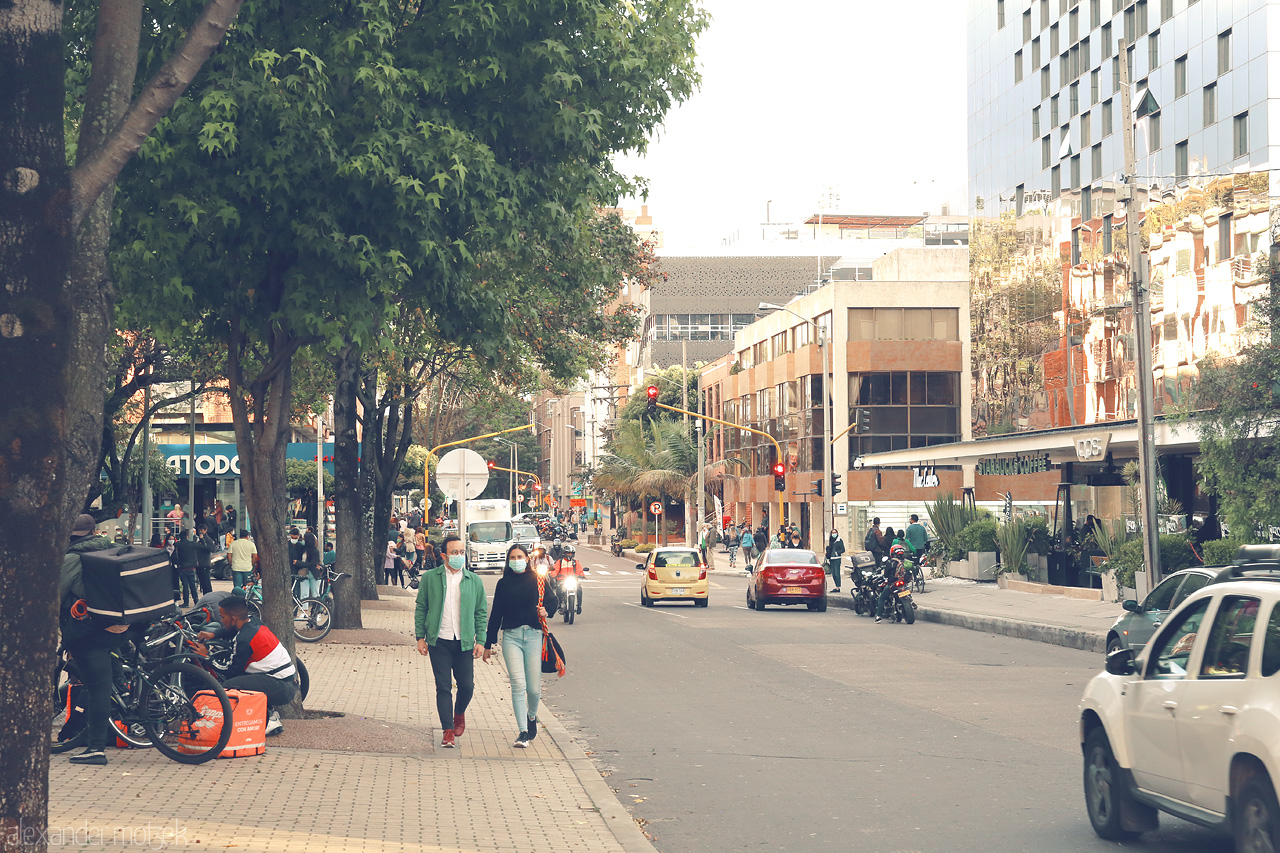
[(777, 448), (426, 466), (535, 477)]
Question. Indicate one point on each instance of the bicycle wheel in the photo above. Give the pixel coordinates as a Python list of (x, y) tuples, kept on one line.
[(311, 621), (304, 678), (182, 707)]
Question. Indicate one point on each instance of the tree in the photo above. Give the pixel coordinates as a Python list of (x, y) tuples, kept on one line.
[(1239, 423), (53, 331)]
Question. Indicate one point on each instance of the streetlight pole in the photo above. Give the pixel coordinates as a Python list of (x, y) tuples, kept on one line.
[(827, 455)]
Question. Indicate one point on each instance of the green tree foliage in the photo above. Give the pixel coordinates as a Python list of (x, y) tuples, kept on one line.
[(1239, 421)]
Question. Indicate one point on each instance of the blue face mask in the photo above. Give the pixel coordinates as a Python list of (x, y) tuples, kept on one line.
[(517, 565), (456, 561)]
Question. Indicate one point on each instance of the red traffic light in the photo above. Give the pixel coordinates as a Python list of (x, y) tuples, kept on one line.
[(537, 487), (652, 391), (779, 469), (491, 463)]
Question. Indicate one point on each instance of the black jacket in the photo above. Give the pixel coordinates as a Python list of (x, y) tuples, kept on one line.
[(205, 546), (515, 603), (185, 553)]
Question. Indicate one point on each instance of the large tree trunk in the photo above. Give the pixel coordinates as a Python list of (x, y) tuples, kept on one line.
[(373, 541), (346, 487), (261, 441), (35, 351)]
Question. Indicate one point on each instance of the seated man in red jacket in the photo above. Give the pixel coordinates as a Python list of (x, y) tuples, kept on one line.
[(258, 661)]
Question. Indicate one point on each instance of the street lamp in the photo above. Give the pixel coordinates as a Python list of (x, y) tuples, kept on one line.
[(825, 342)]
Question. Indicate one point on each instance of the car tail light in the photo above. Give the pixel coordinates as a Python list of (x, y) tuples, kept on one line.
[(702, 574), (653, 574)]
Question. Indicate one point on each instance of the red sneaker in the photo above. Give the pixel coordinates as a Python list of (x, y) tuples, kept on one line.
[(459, 723), (448, 739)]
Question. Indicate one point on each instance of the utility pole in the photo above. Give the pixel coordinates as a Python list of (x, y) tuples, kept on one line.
[(191, 461), (320, 519), (689, 532), (1141, 332), (702, 459), (145, 509)]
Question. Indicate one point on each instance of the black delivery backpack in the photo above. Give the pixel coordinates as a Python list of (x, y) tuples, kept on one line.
[(128, 584)]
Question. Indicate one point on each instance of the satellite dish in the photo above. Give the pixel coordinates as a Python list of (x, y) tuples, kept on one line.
[(462, 474)]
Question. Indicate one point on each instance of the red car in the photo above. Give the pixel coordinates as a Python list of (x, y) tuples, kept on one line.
[(787, 576)]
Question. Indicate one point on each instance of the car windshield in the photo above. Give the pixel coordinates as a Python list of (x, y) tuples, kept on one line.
[(676, 559), (524, 531), (779, 556), (490, 531)]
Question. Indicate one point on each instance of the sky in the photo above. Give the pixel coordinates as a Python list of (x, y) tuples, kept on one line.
[(803, 98)]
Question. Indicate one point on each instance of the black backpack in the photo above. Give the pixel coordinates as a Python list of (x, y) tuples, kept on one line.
[(871, 543)]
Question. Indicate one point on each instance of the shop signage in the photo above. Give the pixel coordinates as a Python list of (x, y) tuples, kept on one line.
[(1005, 466), (924, 477), (206, 466), (1092, 447), (577, 501)]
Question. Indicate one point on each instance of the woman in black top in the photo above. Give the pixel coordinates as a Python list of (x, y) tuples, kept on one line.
[(308, 571), (519, 612)]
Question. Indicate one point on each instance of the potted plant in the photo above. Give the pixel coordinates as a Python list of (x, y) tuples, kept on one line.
[(1013, 540)]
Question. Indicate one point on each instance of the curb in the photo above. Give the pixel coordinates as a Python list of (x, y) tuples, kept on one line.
[(1054, 635), (616, 817)]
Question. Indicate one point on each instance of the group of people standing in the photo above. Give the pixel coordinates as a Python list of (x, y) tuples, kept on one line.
[(408, 552)]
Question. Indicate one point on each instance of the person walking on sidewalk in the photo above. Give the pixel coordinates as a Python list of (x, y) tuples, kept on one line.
[(748, 543), (519, 612), (451, 619), (835, 550)]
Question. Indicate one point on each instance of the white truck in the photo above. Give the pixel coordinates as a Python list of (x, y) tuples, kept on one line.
[(489, 534)]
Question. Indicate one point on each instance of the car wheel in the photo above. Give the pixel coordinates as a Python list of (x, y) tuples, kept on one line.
[(645, 600), (822, 605), (760, 604), (1102, 792), (812, 606), (1114, 644), (1256, 816)]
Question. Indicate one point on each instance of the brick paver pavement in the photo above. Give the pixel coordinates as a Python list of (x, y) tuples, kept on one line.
[(483, 796)]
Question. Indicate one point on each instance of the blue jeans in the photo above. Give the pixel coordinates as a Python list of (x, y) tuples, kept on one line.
[(239, 579), (307, 587), (522, 651)]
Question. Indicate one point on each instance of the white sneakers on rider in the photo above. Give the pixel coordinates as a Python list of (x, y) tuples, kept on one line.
[(274, 726)]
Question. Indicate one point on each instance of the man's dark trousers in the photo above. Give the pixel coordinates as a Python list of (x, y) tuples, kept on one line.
[(92, 656), (449, 663)]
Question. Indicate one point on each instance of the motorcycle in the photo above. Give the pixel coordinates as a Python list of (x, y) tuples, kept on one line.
[(615, 545), (902, 607), (862, 578), (569, 597)]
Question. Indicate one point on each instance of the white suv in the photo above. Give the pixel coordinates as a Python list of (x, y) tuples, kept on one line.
[(1190, 725)]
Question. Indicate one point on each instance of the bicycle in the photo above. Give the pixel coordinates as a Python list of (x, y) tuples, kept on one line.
[(171, 705), (312, 620)]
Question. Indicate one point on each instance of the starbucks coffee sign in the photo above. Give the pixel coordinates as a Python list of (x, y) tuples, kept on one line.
[(1006, 466)]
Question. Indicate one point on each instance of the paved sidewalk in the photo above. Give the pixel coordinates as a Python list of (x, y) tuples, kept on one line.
[(372, 780)]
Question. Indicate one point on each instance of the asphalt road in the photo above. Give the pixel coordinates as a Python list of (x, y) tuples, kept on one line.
[(727, 729)]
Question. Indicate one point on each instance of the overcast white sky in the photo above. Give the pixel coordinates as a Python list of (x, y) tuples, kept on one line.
[(867, 96)]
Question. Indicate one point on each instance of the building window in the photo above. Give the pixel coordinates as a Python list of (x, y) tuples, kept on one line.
[(1115, 74), (1053, 111), (1130, 24), (1095, 167), (1026, 26), (1106, 119), (999, 14), (1076, 70), (1084, 56), (907, 409), (1240, 135), (1224, 53), (1044, 82), (1035, 122), (1044, 13), (1153, 133), (1046, 153), (1129, 55), (1074, 92), (1142, 16), (1086, 130), (1095, 86), (1224, 237), (1019, 199), (1153, 51), (1106, 41), (1086, 203), (1075, 172), (1166, 10), (904, 324), (1180, 76), (1055, 181), (1095, 13), (1035, 52), (1053, 39), (1181, 161), (1075, 246), (1017, 67), (1106, 234), (1064, 68), (1210, 104)]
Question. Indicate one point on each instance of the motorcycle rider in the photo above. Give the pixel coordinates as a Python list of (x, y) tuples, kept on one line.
[(897, 553), (567, 566)]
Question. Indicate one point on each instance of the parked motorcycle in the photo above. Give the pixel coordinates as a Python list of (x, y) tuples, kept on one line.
[(862, 577)]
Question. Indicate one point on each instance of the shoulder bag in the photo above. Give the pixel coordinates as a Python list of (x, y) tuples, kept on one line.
[(552, 654)]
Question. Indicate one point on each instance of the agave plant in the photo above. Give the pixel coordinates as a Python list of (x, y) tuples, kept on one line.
[(948, 517), (1013, 539)]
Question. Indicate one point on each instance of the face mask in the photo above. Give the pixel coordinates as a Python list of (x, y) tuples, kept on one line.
[(457, 561), (517, 565)]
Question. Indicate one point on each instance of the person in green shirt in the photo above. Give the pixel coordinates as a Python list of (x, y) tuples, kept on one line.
[(450, 622), (917, 536)]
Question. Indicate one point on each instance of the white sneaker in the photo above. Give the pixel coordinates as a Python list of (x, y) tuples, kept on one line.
[(274, 726)]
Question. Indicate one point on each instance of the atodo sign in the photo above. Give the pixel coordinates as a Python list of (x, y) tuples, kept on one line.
[(1005, 466)]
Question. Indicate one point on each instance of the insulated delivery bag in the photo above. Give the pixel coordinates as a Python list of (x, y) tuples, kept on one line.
[(128, 584)]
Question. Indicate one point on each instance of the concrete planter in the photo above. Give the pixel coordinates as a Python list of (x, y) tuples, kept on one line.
[(1110, 588), (1037, 567), (984, 564), (1016, 577)]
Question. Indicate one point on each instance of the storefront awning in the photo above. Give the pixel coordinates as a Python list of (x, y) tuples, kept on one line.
[(1070, 444)]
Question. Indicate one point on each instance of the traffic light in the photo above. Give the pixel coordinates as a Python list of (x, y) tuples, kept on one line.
[(537, 487), (779, 477), (817, 487), (491, 464), (864, 421), (652, 408), (835, 484)]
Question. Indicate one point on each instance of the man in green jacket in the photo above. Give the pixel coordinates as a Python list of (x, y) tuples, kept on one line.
[(450, 623)]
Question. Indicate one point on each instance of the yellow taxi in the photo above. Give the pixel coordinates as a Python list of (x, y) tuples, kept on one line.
[(674, 574)]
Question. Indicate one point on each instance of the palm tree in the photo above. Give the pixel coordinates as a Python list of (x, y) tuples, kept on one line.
[(658, 459)]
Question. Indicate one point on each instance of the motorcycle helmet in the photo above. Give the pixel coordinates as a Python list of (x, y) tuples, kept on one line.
[(898, 550), (569, 552)]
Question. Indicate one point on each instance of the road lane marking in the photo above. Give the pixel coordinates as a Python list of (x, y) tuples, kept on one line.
[(654, 610), (603, 572)]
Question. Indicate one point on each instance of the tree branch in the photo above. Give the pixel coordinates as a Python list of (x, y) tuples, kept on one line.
[(97, 172)]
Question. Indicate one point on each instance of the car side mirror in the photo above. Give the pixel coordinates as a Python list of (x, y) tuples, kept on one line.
[(639, 567), (1130, 605), (1120, 662)]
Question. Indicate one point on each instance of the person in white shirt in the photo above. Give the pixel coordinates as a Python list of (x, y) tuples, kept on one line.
[(244, 559), (450, 622)]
